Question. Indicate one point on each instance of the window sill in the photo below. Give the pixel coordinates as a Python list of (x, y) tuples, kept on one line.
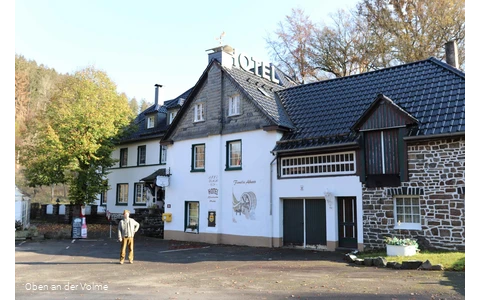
[(233, 169), (188, 230), (411, 226), (199, 170)]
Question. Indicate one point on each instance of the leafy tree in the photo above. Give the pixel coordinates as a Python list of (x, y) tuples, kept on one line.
[(73, 142), (34, 85), (144, 104), (134, 105), (416, 29)]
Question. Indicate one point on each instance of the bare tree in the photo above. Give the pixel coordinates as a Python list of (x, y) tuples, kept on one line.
[(343, 48), (289, 46), (375, 34)]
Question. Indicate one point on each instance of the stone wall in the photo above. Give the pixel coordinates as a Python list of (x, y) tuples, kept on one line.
[(437, 176), (151, 222)]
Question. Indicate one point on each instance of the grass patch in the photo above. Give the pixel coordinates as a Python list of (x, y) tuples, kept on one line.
[(451, 261)]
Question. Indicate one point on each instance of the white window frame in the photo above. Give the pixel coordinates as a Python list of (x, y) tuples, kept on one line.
[(406, 209), (163, 154), (234, 162), (140, 196), (234, 105), (199, 113), (171, 116), (192, 216), (150, 121), (122, 193), (341, 163), (196, 159)]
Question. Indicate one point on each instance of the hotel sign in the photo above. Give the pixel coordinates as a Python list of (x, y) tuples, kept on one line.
[(255, 66)]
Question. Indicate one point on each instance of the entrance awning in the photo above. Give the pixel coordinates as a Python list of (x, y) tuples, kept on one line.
[(152, 178)]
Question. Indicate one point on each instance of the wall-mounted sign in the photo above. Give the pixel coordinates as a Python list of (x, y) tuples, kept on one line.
[(211, 218), (163, 181)]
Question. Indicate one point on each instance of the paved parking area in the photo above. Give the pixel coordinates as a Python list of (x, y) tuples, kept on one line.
[(89, 269)]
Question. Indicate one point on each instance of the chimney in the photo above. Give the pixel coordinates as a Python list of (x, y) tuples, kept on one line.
[(156, 93), (223, 54), (451, 53)]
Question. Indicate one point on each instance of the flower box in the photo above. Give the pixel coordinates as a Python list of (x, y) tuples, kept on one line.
[(399, 250)]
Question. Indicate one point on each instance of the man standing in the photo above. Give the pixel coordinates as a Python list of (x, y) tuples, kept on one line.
[(126, 231)]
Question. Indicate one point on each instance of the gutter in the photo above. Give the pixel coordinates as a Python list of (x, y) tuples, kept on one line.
[(434, 136), (319, 147), (408, 138)]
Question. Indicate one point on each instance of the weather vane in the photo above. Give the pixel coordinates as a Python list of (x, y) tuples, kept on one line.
[(219, 39)]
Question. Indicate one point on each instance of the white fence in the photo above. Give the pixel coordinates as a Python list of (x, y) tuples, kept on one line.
[(61, 209)]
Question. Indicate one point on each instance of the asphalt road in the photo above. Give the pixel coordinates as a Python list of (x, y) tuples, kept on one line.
[(90, 269)]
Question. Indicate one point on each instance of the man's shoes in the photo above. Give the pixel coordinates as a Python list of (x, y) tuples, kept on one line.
[(121, 262), (131, 261)]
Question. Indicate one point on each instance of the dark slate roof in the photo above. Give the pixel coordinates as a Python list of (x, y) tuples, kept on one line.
[(141, 132), (177, 102), (154, 108), (324, 112), (261, 92), (248, 83)]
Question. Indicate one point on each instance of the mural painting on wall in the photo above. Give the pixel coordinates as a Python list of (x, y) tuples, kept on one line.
[(212, 188), (244, 200)]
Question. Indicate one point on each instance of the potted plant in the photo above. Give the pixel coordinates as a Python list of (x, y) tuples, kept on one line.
[(153, 208), (401, 246)]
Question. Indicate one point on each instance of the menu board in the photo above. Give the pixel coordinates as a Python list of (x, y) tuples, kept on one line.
[(77, 228)]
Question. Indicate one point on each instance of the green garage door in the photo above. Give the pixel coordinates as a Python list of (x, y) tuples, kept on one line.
[(304, 222)]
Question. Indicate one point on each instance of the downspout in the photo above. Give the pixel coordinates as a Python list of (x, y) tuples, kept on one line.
[(220, 166), (271, 198), (156, 187)]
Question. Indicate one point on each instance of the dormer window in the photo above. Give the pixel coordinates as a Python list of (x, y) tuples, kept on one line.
[(383, 126), (198, 113), (234, 105), (150, 122), (383, 157)]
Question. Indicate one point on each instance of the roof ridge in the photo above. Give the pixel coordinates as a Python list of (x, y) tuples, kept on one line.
[(430, 59)]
